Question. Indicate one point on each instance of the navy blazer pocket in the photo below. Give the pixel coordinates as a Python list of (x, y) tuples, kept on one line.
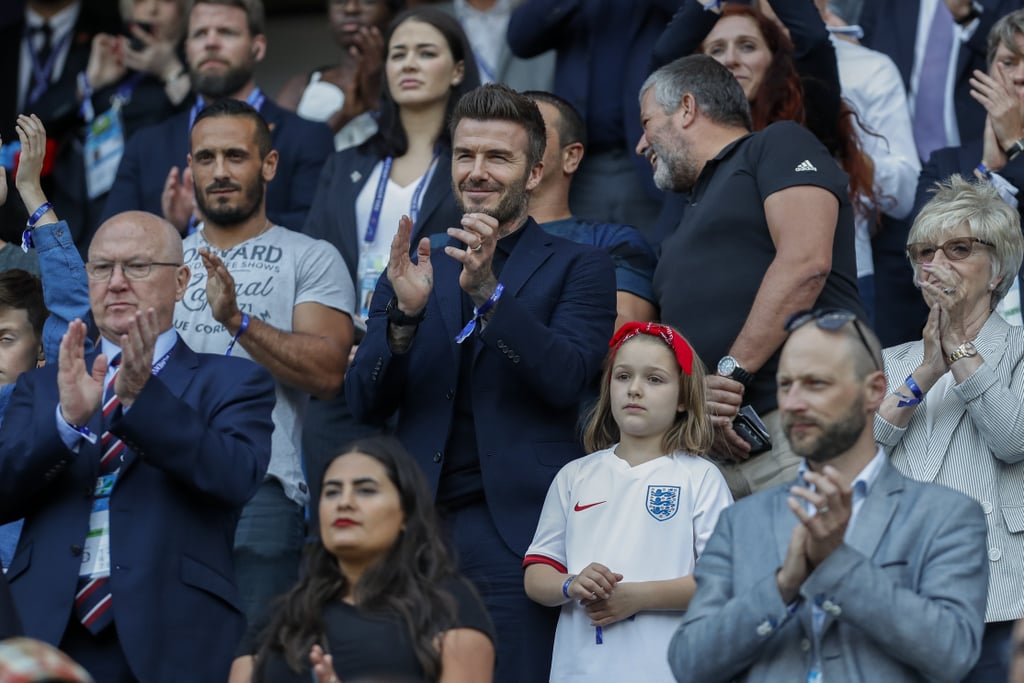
[(198, 575)]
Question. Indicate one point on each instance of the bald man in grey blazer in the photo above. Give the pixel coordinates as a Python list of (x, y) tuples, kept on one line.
[(852, 572)]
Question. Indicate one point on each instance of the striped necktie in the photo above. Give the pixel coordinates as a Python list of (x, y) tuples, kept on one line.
[(93, 598)]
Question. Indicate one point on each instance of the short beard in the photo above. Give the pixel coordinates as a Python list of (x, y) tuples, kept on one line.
[(675, 172), (234, 215), (218, 86), (835, 438), (512, 206)]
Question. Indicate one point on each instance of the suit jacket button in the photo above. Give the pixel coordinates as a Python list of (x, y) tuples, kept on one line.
[(437, 456), (76, 550)]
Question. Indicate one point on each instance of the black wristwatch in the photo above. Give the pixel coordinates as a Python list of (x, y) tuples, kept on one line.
[(975, 12), (397, 317), (729, 367), (1016, 148)]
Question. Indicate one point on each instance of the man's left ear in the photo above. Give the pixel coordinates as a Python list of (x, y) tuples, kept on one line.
[(270, 165), (536, 173), (875, 389), (181, 282), (259, 47), (572, 155)]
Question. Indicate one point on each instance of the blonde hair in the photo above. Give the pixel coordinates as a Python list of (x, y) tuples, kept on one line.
[(692, 430)]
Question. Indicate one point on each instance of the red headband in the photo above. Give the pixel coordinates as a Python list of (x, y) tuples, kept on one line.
[(674, 340)]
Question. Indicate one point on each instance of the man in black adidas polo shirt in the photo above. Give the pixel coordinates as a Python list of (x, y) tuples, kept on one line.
[(767, 231)]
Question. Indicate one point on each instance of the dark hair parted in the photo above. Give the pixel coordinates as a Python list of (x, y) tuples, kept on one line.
[(497, 102), (232, 107), (691, 432), (20, 290), (571, 128), (716, 91), (390, 138), (406, 582), (254, 13)]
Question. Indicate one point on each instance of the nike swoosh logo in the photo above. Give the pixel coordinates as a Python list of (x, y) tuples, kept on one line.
[(581, 508)]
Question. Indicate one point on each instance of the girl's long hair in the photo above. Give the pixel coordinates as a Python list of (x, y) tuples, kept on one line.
[(691, 432)]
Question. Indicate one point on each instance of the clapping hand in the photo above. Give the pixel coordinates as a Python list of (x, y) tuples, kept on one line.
[(412, 282)]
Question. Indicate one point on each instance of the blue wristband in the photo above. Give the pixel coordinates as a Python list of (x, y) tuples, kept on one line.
[(565, 586), (914, 389), (479, 312), (983, 170), (26, 236), (244, 326)]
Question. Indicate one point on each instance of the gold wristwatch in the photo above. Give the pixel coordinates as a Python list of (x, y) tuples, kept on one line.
[(965, 350)]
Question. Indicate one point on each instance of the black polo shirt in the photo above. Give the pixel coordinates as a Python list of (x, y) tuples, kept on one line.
[(711, 267)]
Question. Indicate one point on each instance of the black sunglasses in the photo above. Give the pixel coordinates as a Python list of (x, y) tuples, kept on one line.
[(830, 319)]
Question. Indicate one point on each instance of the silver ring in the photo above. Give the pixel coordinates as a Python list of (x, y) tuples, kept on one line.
[(822, 510), (948, 290), (478, 248)]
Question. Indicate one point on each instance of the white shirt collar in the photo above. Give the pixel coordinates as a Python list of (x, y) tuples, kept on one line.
[(61, 22)]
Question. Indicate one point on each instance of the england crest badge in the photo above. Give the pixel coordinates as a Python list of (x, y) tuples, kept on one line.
[(662, 501)]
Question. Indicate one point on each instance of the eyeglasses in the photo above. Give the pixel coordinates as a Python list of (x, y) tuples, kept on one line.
[(956, 249), (831, 319), (102, 271)]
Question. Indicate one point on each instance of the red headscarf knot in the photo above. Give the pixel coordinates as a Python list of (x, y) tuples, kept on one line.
[(674, 340)]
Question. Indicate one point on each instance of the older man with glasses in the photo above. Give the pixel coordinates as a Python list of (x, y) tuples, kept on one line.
[(130, 467)]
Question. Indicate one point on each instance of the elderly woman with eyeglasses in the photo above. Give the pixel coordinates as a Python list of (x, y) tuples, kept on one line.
[(955, 412)]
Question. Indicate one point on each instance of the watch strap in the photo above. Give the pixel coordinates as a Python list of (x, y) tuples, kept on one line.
[(398, 317), (963, 351), (1015, 149), (742, 376)]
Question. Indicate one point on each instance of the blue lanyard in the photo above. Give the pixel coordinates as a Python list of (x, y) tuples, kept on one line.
[(42, 73), (255, 100), (121, 97), (382, 188), (485, 68)]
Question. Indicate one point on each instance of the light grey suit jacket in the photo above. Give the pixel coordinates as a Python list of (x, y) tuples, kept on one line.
[(904, 597), (976, 446)]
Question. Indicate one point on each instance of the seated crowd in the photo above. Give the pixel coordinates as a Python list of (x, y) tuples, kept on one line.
[(631, 340)]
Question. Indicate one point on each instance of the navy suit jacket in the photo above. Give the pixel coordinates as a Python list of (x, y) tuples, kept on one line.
[(303, 147), (890, 26), (537, 357), (332, 216), (199, 435)]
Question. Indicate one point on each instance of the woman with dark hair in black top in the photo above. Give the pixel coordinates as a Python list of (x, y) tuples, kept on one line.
[(379, 599)]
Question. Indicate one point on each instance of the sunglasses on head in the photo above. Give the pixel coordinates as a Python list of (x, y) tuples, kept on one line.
[(830, 319), (956, 249)]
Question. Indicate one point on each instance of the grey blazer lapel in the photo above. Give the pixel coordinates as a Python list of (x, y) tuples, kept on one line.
[(874, 517)]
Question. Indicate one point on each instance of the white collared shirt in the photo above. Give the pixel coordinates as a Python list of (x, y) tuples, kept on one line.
[(486, 32)]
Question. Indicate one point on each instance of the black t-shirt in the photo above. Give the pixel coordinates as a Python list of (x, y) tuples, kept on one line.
[(368, 646), (712, 266)]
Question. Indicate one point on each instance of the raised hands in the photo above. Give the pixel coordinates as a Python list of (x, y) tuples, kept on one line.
[(33, 149), (323, 665), (137, 347), (80, 391), (412, 282), (479, 232), (1004, 124), (820, 532), (178, 200), (220, 290), (363, 90)]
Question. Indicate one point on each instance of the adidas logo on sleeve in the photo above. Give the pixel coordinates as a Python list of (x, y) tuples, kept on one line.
[(805, 165)]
